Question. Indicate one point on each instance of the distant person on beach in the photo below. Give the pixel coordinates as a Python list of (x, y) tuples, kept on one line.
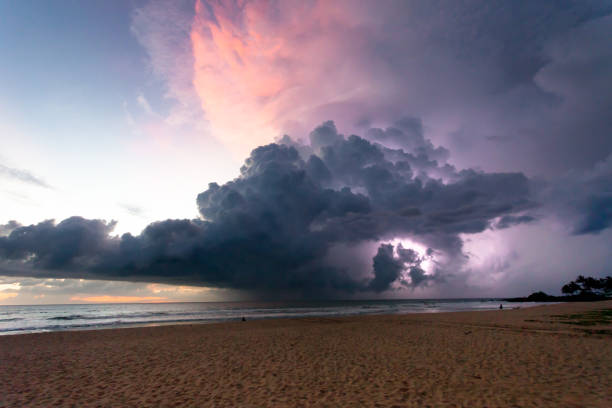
[(501, 306)]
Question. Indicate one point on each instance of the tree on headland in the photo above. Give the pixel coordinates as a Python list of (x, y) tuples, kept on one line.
[(589, 286), (539, 297), (580, 290)]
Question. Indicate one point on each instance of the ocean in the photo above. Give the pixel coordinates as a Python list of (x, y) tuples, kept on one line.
[(44, 318)]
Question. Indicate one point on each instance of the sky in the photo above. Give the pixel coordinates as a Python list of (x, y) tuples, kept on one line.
[(225, 150)]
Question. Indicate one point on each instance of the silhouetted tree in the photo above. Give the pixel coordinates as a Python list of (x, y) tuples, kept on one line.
[(589, 286), (539, 297), (570, 288)]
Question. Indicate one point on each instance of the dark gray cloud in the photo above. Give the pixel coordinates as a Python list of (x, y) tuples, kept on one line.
[(7, 228), (23, 176), (387, 268), (407, 134), (391, 264), (508, 221), (73, 243), (582, 199), (272, 227)]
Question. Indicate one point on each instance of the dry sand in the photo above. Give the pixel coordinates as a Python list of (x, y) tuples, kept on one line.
[(510, 358)]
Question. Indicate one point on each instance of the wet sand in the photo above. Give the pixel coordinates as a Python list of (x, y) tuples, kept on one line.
[(546, 356)]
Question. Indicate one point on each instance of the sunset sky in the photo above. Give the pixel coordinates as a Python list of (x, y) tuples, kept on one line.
[(481, 165)]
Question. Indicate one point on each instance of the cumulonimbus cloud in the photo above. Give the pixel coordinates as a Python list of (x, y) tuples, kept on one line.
[(273, 227)]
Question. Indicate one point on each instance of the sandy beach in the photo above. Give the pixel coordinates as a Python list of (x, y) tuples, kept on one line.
[(546, 356)]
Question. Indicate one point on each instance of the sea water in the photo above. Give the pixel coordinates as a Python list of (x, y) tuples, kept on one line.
[(42, 318)]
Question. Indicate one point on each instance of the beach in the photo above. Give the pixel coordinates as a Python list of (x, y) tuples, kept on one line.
[(545, 356)]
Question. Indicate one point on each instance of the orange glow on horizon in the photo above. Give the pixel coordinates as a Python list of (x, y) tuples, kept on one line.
[(159, 288), (10, 295), (119, 299)]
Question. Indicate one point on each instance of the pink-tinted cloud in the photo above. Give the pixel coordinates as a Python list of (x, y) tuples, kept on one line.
[(257, 69), (262, 68)]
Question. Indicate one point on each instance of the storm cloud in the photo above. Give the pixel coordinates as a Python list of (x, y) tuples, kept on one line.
[(7, 228), (582, 199), (273, 227)]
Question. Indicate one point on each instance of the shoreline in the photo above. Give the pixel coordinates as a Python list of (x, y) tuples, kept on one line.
[(546, 355), (179, 322), (113, 326)]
